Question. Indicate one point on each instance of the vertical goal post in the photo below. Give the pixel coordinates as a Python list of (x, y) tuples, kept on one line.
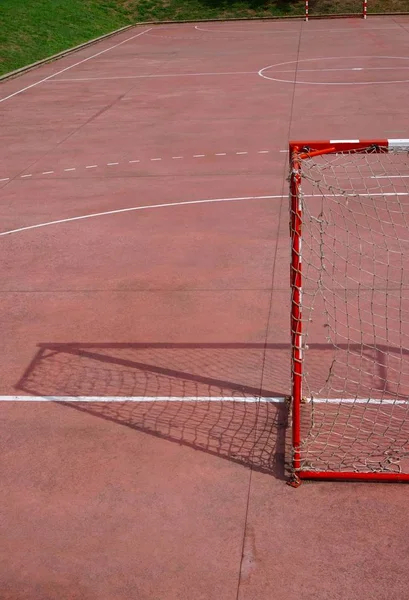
[(363, 13), (349, 277)]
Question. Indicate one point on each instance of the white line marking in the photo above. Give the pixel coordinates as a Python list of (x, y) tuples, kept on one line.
[(134, 161), (263, 151), (389, 177), (284, 151), (5, 179), (71, 169), (198, 155), (176, 157), (241, 152), (24, 176), (112, 164), (47, 172), (243, 399), (373, 401), (74, 65), (295, 63), (221, 154), (91, 166), (343, 69), (63, 80), (247, 399), (156, 159), (189, 202), (135, 208)]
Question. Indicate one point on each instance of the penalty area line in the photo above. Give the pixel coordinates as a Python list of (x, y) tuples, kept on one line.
[(188, 203)]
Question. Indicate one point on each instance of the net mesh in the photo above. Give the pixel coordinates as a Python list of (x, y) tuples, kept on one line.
[(355, 312), (204, 396)]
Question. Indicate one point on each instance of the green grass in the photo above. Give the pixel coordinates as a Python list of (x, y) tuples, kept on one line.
[(34, 29)]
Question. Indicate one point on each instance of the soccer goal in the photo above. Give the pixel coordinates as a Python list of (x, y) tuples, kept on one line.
[(347, 8), (349, 224)]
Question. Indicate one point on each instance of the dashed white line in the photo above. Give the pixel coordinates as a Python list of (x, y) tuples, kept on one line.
[(242, 153)]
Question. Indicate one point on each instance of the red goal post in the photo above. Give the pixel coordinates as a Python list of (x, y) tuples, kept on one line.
[(349, 226), (363, 13)]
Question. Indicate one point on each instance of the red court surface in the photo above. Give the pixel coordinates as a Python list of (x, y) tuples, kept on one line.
[(145, 316)]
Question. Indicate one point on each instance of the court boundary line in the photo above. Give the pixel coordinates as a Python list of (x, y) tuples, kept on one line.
[(72, 66), (95, 399), (241, 399)]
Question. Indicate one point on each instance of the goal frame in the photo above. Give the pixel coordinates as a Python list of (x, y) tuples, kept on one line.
[(363, 14), (299, 150)]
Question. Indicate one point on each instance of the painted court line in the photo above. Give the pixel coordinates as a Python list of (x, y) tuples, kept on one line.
[(242, 399), (389, 177), (248, 399), (65, 80), (135, 208), (189, 202), (72, 66), (110, 164)]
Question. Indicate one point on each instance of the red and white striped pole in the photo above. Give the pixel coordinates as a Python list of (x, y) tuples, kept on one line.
[(306, 10), (365, 9)]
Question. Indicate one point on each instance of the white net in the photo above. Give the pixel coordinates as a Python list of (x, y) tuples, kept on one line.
[(355, 312)]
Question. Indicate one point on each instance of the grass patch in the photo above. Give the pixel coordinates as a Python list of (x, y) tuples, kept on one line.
[(34, 29)]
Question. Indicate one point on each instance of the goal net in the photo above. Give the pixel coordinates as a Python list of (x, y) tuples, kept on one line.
[(349, 226)]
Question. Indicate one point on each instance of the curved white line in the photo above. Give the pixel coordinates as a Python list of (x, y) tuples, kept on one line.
[(293, 62), (134, 208)]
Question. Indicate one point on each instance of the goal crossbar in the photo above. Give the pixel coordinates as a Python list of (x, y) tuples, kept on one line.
[(349, 213)]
